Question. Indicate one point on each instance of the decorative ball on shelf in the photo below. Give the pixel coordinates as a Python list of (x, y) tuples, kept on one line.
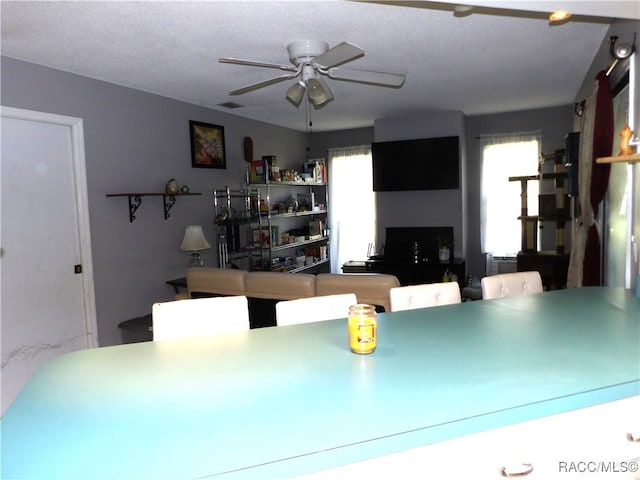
[(184, 189), (172, 187)]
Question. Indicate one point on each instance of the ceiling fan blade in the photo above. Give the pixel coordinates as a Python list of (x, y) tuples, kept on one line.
[(254, 63), (395, 80), (341, 53), (264, 83)]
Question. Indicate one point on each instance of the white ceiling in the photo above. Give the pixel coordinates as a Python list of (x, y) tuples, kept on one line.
[(484, 62)]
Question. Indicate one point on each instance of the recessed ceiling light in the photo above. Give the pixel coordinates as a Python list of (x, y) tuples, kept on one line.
[(559, 16), (462, 8), (230, 105)]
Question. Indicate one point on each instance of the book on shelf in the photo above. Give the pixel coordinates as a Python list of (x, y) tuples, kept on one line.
[(258, 171), (271, 166), (317, 168), (306, 201), (316, 227)]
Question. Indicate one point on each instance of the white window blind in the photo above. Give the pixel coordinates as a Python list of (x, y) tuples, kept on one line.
[(352, 204), (505, 156)]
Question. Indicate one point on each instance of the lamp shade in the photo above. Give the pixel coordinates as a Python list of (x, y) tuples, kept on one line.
[(194, 239), (295, 93), (318, 92)]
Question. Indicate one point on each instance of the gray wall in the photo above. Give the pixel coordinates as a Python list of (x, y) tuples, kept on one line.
[(458, 208), (432, 208), (322, 141), (624, 30), (135, 142)]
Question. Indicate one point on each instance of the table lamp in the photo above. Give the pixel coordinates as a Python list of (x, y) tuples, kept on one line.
[(194, 241)]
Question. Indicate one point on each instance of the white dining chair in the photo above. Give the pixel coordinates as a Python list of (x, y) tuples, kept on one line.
[(198, 317), (424, 295), (314, 309), (511, 284)]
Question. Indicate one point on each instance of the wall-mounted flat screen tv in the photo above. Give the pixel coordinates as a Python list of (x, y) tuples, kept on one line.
[(421, 164)]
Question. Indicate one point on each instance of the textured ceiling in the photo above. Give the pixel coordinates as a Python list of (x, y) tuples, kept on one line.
[(484, 62)]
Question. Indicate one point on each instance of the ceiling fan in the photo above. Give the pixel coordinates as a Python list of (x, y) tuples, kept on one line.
[(312, 61)]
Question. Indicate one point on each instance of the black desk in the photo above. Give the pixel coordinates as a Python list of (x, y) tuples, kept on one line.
[(552, 267), (139, 329), (178, 283), (358, 266), (409, 273)]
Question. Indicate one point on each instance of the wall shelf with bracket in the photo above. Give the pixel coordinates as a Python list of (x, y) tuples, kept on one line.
[(620, 158), (135, 200)]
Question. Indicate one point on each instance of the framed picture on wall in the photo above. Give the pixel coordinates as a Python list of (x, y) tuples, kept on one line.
[(207, 145)]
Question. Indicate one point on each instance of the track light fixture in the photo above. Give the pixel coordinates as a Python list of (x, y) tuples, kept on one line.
[(620, 51)]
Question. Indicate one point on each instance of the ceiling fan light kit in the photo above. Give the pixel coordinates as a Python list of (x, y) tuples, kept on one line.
[(295, 93), (312, 61), (318, 92)]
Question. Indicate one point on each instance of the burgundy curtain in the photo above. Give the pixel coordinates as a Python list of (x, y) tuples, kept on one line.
[(602, 146), (596, 140)]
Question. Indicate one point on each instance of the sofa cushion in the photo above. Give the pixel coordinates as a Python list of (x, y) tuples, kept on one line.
[(279, 285), (219, 281), (372, 289)]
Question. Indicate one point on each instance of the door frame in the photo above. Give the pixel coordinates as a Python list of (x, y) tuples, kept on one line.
[(76, 129)]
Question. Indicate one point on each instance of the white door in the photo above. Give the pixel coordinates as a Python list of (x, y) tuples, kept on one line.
[(46, 308)]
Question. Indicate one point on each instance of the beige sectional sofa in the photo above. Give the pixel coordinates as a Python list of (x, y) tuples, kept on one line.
[(264, 289)]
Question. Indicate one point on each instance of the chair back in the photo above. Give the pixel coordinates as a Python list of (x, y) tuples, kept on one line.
[(425, 295), (314, 309), (199, 317), (511, 284)]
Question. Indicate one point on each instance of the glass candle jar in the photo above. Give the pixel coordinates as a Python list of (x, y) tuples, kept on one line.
[(363, 326)]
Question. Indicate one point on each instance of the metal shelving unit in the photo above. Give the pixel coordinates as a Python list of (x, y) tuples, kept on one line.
[(236, 217), (299, 249)]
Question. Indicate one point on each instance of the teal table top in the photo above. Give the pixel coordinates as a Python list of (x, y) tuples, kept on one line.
[(283, 401)]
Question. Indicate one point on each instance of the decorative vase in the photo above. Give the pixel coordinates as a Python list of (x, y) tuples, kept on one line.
[(172, 187), (444, 254)]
